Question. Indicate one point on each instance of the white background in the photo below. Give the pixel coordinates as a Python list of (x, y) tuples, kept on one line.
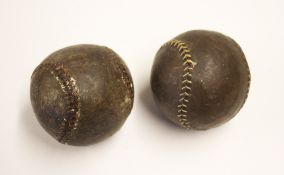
[(251, 143)]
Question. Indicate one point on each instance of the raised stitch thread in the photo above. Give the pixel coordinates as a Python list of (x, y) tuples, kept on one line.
[(185, 91)]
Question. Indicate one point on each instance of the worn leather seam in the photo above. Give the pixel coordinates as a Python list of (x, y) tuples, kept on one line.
[(186, 82), (123, 73), (249, 81), (72, 98)]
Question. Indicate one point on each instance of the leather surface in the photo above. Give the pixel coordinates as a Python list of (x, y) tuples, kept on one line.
[(220, 79), (105, 94)]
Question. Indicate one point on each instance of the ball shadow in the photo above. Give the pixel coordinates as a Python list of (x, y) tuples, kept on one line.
[(147, 99), (148, 102), (35, 133), (33, 128)]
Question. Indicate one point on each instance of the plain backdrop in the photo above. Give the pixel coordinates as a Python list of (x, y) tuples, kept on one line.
[(251, 143)]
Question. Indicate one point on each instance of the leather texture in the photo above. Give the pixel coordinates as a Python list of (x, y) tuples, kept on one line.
[(200, 79), (82, 94)]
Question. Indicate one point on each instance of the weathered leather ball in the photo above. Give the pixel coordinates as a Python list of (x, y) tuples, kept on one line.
[(200, 79), (82, 94)]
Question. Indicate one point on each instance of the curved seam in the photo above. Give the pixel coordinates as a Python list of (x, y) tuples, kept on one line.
[(186, 81), (123, 73), (71, 94)]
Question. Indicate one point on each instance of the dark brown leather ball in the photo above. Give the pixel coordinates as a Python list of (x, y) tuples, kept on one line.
[(82, 94), (200, 79)]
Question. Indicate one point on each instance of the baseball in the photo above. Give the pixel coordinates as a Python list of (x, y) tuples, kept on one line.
[(82, 94), (200, 79)]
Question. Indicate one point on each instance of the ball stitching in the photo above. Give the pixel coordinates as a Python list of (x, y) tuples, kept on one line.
[(186, 81), (71, 96)]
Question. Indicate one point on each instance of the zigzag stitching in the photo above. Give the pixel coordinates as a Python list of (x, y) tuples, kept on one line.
[(185, 91)]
